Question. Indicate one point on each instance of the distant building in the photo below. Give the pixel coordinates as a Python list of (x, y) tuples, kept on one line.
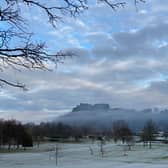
[(89, 107)]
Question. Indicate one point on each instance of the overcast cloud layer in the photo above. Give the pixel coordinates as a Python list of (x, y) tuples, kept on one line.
[(122, 60)]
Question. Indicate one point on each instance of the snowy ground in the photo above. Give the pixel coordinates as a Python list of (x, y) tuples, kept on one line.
[(78, 156)]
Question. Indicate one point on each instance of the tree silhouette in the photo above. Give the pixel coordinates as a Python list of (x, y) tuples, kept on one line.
[(149, 132), (121, 131)]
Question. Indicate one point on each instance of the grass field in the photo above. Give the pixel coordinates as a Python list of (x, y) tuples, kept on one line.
[(79, 156)]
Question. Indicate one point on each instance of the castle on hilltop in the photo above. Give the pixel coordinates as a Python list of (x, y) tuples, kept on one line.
[(90, 107)]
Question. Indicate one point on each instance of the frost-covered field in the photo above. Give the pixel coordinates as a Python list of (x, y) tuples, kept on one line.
[(79, 156)]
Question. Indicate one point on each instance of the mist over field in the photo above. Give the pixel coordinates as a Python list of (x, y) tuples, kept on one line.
[(102, 116)]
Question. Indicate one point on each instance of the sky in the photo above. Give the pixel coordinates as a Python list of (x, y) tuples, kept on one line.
[(121, 59)]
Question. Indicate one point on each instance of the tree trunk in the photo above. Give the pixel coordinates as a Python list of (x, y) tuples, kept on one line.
[(9, 146), (150, 144)]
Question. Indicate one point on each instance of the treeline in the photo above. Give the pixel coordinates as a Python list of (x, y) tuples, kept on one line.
[(119, 131), (14, 134), (55, 131)]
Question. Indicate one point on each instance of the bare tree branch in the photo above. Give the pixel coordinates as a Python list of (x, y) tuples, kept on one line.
[(28, 54), (18, 85), (113, 5)]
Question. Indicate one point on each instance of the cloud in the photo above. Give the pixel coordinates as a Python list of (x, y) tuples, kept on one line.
[(121, 59)]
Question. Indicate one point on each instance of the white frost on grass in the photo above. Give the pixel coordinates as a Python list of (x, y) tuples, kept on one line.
[(78, 156)]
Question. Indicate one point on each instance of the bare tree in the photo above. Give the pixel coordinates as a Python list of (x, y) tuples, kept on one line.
[(102, 143), (121, 131), (91, 150), (149, 132), (56, 154), (17, 48)]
